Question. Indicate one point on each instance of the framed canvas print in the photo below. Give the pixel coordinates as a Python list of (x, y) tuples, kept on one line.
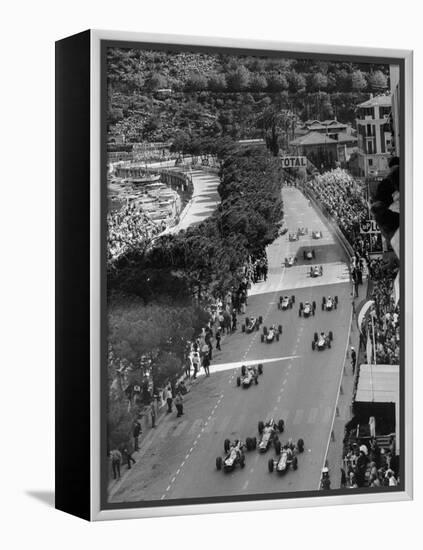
[(234, 291)]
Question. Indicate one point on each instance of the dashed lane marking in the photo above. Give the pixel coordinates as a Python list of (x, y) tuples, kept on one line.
[(245, 485)]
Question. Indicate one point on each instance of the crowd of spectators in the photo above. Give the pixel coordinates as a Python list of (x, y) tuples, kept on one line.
[(342, 198), (369, 466), (127, 229)]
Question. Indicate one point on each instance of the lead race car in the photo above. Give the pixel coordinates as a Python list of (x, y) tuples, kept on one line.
[(307, 309), (309, 254), (290, 261), (330, 303), (287, 457), (251, 324), (271, 334), (317, 235), (286, 302), (249, 375), (316, 271), (293, 237), (234, 454), (322, 341), (269, 434), (302, 231)]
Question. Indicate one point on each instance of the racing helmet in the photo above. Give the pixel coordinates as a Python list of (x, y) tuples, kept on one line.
[(325, 470)]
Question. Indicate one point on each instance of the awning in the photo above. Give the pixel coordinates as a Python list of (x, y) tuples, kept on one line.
[(378, 384)]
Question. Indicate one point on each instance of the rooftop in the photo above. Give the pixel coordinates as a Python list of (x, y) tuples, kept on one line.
[(381, 100), (314, 138)]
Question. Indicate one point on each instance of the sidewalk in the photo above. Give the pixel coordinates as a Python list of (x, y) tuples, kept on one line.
[(149, 434), (344, 405)]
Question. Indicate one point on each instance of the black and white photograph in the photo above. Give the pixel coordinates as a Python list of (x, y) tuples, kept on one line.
[(253, 275)]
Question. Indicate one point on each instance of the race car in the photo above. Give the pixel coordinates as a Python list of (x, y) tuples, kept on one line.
[(290, 261), (293, 237), (269, 434), (307, 309), (330, 303), (309, 254), (269, 335), (234, 456), (249, 375), (302, 231), (316, 271), (286, 302), (287, 457), (317, 234), (251, 324), (322, 341)]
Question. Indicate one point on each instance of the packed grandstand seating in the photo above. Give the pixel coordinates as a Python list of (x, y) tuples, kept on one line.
[(127, 229)]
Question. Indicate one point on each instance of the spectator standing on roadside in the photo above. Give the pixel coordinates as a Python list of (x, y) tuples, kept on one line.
[(136, 432), (353, 359), (206, 365), (188, 365), (218, 338), (195, 363), (234, 320), (128, 457), (179, 400), (169, 399), (116, 458), (153, 414)]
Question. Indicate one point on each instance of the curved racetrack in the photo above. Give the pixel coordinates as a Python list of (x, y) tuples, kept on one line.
[(298, 385)]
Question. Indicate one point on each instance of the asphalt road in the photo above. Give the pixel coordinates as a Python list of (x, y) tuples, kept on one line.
[(298, 385)]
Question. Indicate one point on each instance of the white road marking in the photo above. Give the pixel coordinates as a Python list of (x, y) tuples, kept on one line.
[(168, 488), (245, 485)]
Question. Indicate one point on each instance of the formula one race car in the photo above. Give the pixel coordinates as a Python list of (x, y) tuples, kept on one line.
[(317, 234), (322, 341), (271, 334), (293, 237), (287, 457), (302, 231), (309, 254), (234, 456), (249, 375), (290, 261), (285, 302), (251, 324), (330, 303), (269, 434), (316, 271), (307, 309)]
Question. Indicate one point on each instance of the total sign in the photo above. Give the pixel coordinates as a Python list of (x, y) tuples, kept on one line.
[(294, 162)]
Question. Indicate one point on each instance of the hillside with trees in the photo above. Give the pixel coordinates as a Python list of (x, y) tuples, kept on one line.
[(153, 93)]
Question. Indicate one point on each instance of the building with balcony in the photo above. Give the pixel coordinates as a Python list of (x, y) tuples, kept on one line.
[(374, 136)]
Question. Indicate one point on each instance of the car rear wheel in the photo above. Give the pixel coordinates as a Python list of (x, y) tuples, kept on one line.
[(295, 463), (226, 445), (270, 465), (242, 461), (248, 443), (293, 299), (281, 425), (262, 338), (299, 313), (243, 368), (265, 331), (260, 368), (330, 335), (243, 328), (301, 305), (260, 319), (315, 336), (238, 381), (300, 445), (313, 345), (254, 440), (219, 462), (260, 427), (280, 329), (336, 299), (324, 300), (277, 336)]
